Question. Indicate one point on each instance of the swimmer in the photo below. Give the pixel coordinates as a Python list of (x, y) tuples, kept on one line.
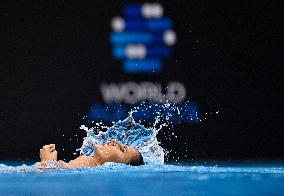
[(110, 152)]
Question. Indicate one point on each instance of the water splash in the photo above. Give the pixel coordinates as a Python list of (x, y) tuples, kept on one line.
[(136, 135), (130, 133)]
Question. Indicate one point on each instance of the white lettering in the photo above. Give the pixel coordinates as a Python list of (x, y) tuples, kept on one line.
[(132, 92)]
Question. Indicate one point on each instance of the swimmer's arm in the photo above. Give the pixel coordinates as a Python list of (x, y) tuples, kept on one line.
[(81, 161), (48, 157)]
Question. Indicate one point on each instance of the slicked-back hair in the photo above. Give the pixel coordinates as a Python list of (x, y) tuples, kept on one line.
[(138, 161)]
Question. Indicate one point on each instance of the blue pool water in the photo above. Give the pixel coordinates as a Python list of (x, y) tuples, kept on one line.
[(119, 179)]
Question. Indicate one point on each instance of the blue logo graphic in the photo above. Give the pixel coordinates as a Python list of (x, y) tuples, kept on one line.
[(143, 38), (177, 113)]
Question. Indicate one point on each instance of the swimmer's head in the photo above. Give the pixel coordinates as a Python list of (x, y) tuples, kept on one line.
[(118, 153)]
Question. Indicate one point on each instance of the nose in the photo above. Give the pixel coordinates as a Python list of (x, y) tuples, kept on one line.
[(112, 142)]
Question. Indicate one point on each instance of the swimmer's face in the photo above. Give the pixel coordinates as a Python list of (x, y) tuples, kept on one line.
[(116, 152)]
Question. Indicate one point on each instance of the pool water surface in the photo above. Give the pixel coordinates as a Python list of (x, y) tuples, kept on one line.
[(119, 179)]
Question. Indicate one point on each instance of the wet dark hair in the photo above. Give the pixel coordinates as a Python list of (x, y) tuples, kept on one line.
[(137, 162)]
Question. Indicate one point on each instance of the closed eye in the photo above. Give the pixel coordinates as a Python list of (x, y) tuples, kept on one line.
[(124, 149)]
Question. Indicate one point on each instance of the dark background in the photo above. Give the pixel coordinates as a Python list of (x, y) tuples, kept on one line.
[(55, 55)]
